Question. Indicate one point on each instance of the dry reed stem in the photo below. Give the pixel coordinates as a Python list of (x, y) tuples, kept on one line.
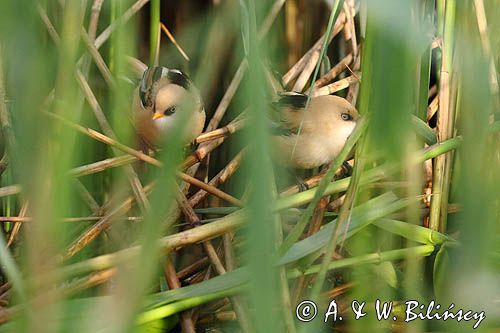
[(172, 39), (336, 86), (27, 219), (89, 281), (17, 226), (214, 121), (86, 197), (313, 59), (104, 36), (218, 305), (95, 230), (445, 122), (229, 129), (299, 66), (269, 19), (4, 288), (206, 148), (98, 60), (94, 18), (48, 24), (84, 63), (219, 316), (54, 295), (134, 180), (10, 142), (334, 72), (210, 189), (353, 92), (311, 182), (9, 190), (3, 164), (174, 283), (432, 108), (146, 158), (335, 292), (486, 45), (432, 91), (83, 66), (240, 72), (166, 244), (193, 219), (201, 152), (122, 160), (350, 28), (335, 204), (200, 277), (108, 78), (103, 165), (220, 111), (195, 267), (315, 225), (218, 179), (229, 251)]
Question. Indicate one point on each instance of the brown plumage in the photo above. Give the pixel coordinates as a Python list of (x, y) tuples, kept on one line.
[(324, 128), (163, 98)]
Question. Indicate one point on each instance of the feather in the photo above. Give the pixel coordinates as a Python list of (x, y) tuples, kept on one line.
[(150, 76), (291, 100), (179, 78)]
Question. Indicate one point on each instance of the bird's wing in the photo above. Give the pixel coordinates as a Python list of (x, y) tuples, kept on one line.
[(278, 129), (287, 112)]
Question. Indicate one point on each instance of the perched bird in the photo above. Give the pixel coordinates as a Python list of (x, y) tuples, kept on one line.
[(164, 97), (324, 129)]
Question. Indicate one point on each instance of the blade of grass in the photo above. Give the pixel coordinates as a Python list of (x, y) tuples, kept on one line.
[(413, 232), (372, 258), (154, 32)]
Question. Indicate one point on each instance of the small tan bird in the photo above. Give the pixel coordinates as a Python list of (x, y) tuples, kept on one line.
[(324, 129), (161, 101)]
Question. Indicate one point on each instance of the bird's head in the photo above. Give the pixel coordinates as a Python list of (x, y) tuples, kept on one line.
[(164, 93), (335, 112)]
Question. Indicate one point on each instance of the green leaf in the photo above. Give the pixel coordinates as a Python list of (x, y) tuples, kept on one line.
[(362, 215), (423, 130), (413, 232), (217, 284), (439, 273), (385, 270), (245, 28)]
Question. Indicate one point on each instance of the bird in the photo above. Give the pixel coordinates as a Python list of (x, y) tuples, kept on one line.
[(309, 138), (163, 98)]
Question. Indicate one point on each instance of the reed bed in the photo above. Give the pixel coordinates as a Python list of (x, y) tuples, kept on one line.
[(99, 236)]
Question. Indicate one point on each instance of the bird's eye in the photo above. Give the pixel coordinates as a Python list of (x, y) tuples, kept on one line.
[(171, 110), (346, 116)]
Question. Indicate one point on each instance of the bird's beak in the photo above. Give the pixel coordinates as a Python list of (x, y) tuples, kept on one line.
[(158, 115)]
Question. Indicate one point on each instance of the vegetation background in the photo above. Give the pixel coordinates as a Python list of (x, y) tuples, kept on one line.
[(100, 237)]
